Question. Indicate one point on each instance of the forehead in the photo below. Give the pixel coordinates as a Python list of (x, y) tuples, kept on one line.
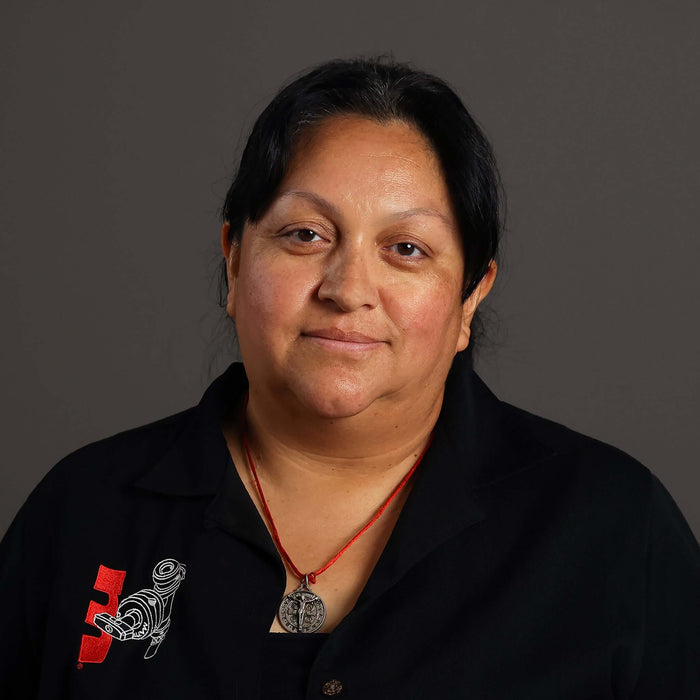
[(343, 131), (352, 136), (354, 158)]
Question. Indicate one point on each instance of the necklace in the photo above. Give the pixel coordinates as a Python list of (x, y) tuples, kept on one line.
[(302, 610)]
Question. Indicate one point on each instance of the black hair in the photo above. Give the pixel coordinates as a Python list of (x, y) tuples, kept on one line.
[(384, 90)]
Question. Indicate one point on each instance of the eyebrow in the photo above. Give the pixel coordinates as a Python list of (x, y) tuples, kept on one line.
[(324, 204)]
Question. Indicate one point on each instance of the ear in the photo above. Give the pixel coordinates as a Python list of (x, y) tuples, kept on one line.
[(231, 251), (472, 302)]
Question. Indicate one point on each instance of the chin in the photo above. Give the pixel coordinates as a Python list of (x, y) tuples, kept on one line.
[(337, 397)]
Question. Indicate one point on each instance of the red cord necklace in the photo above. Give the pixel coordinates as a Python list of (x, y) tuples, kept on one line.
[(302, 610)]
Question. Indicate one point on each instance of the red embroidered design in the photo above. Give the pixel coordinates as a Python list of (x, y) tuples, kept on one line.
[(93, 650)]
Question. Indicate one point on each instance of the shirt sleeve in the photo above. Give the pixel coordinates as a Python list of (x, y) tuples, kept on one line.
[(670, 666), (19, 662)]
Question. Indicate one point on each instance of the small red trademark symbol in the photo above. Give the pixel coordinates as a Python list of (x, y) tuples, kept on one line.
[(79, 666)]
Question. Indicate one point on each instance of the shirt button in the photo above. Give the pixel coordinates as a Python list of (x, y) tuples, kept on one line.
[(334, 687)]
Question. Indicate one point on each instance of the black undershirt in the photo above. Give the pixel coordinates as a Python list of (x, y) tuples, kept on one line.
[(287, 662)]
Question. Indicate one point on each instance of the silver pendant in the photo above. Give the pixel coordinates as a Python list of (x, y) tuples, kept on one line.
[(302, 610)]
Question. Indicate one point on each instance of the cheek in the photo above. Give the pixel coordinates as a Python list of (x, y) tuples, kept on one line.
[(269, 300), (428, 315)]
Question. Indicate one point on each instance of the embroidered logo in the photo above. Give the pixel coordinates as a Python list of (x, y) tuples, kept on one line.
[(142, 615)]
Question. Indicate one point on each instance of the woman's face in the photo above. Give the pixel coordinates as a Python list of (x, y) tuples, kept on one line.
[(346, 294)]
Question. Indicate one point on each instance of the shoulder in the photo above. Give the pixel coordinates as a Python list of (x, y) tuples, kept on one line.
[(124, 455), (109, 465), (571, 461), (89, 506), (514, 451), (182, 454), (562, 439)]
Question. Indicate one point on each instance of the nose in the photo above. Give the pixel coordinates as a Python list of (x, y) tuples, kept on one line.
[(349, 279)]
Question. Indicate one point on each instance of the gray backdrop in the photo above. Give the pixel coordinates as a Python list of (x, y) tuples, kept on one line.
[(120, 123)]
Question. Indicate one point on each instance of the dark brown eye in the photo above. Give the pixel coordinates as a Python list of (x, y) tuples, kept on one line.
[(305, 235), (408, 250)]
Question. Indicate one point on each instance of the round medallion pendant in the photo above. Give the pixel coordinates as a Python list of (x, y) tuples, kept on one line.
[(302, 611)]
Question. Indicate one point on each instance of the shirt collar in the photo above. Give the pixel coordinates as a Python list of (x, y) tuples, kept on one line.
[(196, 461)]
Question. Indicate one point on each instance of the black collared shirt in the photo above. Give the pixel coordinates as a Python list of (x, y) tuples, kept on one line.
[(529, 561)]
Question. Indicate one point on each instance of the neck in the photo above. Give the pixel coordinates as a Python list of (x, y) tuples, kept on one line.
[(377, 443)]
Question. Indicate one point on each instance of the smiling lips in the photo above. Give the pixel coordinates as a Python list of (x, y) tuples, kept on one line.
[(347, 341)]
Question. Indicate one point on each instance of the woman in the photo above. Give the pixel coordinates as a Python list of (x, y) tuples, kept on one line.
[(351, 511)]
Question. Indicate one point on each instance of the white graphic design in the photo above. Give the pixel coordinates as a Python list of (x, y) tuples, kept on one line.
[(146, 613)]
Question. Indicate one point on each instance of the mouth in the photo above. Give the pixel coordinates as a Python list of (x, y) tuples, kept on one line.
[(346, 341)]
